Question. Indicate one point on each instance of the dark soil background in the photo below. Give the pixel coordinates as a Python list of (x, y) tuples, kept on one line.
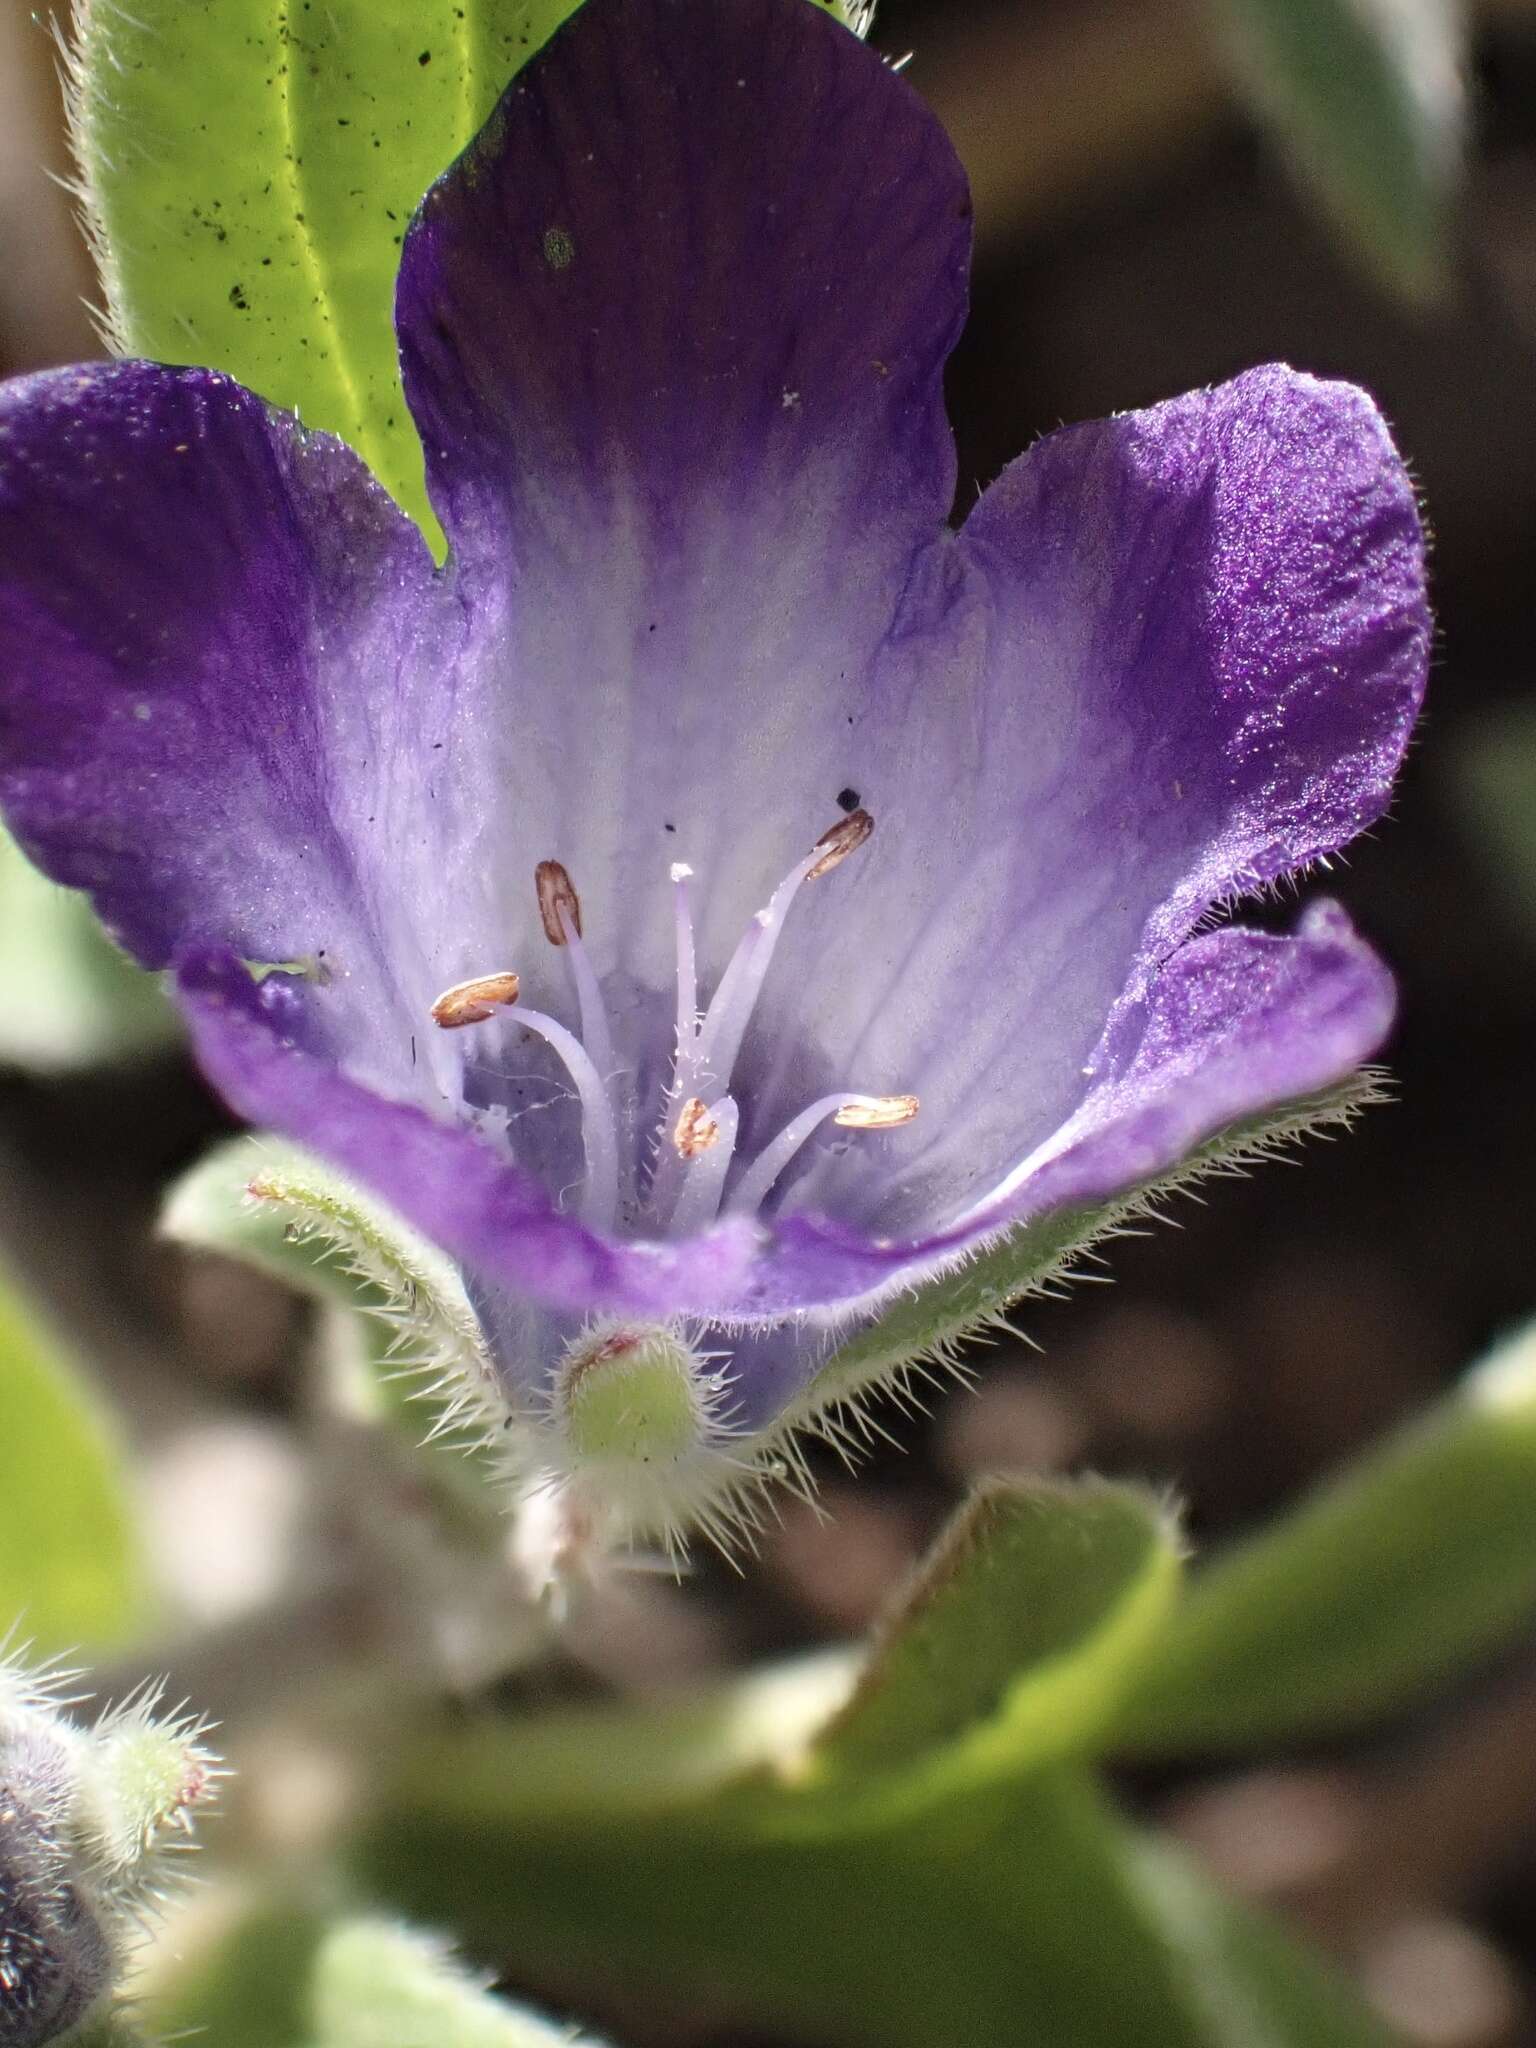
[(1137, 237)]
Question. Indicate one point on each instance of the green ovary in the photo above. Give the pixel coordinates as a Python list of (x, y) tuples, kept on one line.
[(632, 1394)]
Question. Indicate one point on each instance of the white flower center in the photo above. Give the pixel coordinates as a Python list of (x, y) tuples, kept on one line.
[(696, 1150)]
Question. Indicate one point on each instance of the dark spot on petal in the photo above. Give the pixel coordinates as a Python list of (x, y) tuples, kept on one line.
[(668, 826), (849, 798), (425, 57), (238, 299)]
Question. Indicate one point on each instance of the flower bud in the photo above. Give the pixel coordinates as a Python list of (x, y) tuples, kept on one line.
[(84, 1816)]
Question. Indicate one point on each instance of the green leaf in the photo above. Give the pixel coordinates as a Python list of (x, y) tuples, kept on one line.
[(1386, 1582), (1366, 97), (71, 1572), (250, 167), (71, 998), (914, 1871), (1256, 1987), (1026, 1623), (1022, 1913), (248, 1988)]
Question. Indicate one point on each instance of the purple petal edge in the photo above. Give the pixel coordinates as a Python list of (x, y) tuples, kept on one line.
[(1238, 1023)]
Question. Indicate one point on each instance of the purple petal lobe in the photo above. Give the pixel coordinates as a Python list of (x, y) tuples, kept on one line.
[(703, 262), (1179, 657), (1235, 581), (204, 611)]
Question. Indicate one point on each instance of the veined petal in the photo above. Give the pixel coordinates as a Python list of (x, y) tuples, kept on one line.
[(673, 332)]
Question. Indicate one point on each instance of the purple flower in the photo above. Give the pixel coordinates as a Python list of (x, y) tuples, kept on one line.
[(853, 875)]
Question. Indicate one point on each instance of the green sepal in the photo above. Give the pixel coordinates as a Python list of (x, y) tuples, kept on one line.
[(1368, 102), (276, 1207), (72, 1569), (925, 1327), (248, 171), (72, 1000), (1387, 1581)]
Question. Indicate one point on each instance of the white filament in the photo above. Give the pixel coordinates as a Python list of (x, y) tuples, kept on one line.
[(599, 1137), (756, 1183), (730, 1010)]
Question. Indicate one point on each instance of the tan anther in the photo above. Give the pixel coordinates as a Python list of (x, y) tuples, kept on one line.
[(696, 1129), (844, 838), (473, 1002), (557, 894), (877, 1112)]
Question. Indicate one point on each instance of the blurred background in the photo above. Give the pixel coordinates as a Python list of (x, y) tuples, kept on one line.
[(1139, 233)]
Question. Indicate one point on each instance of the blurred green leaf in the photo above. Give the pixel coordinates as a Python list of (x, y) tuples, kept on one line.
[(71, 1574), (249, 1988), (250, 170), (291, 1977), (1493, 770), (1366, 97), (382, 1986), (1412, 1561), (71, 998), (911, 1872), (1012, 1649), (1022, 1913)]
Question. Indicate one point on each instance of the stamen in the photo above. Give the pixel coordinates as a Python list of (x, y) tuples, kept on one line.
[(877, 1112), (843, 838), (599, 1137), (696, 1130), (558, 901), (699, 1203), (476, 1001), (560, 914), (858, 1112), (687, 966), (729, 1014)]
